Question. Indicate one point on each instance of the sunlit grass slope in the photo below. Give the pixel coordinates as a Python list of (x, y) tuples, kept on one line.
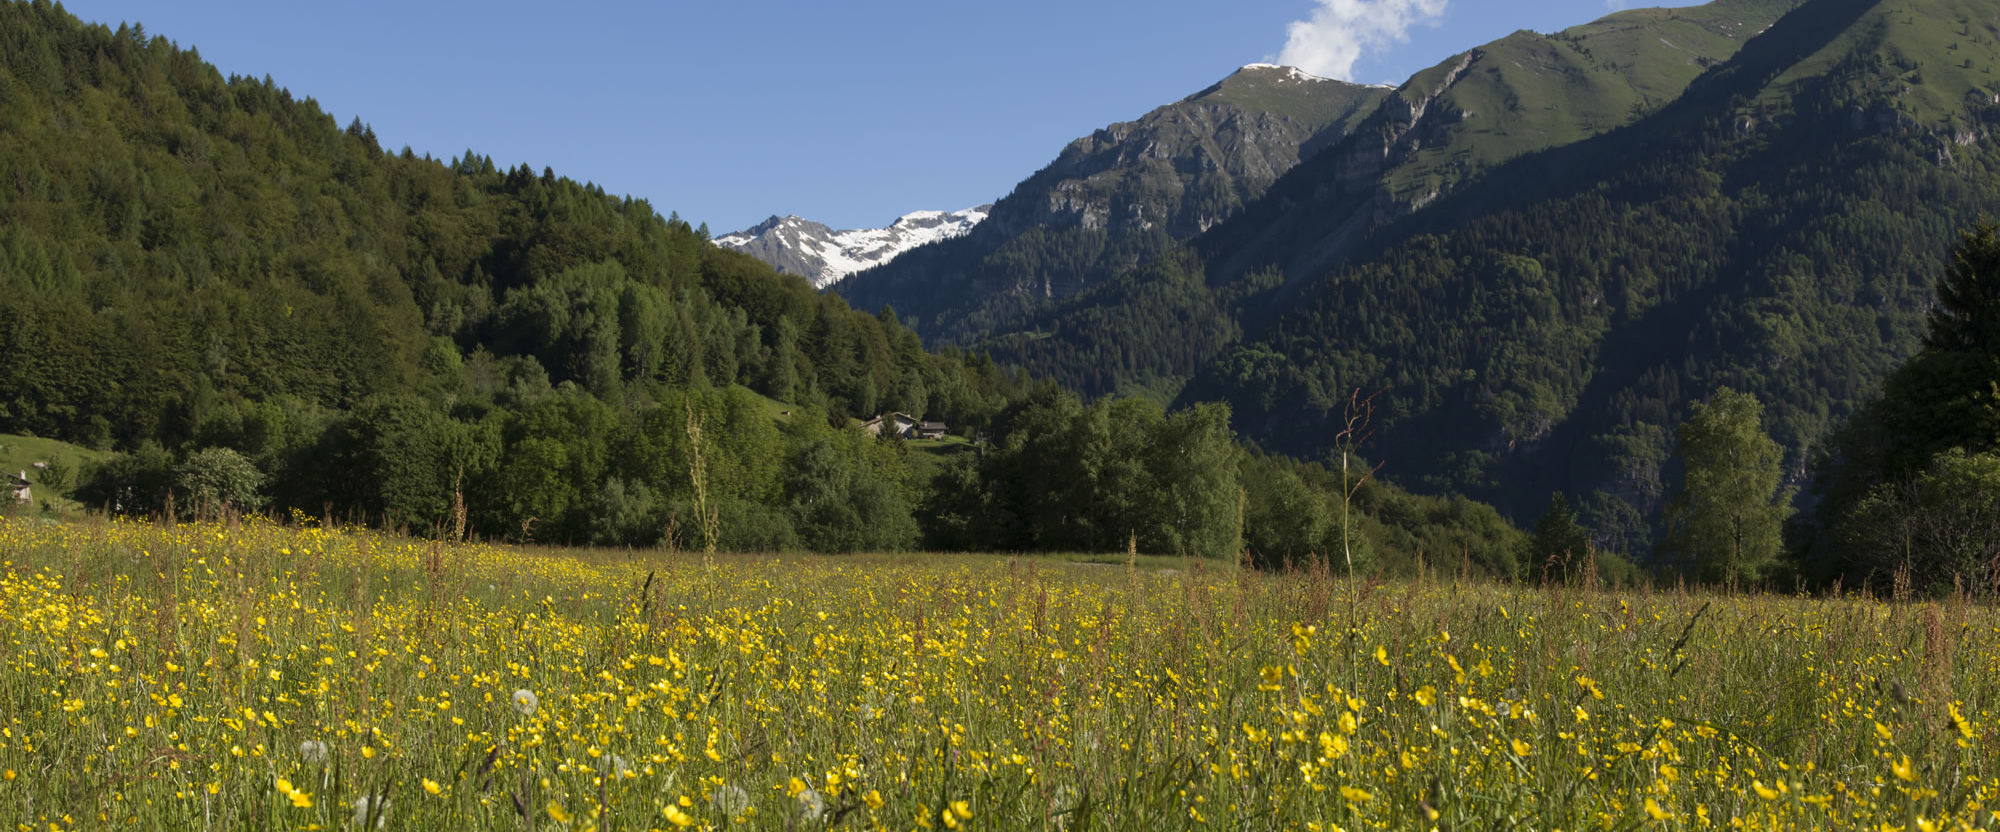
[(207, 677), (1529, 92)]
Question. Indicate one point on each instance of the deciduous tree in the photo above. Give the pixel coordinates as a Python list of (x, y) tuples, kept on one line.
[(1725, 525)]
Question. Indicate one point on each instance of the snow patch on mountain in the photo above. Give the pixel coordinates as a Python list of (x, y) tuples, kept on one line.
[(823, 256), (1291, 72)]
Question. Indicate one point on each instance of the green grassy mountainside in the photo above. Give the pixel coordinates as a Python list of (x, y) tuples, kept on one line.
[(1456, 121), (1527, 92)]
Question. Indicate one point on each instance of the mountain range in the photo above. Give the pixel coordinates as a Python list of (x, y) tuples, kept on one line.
[(1114, 198), (823, 256), (1541, 250), (1171, 174)]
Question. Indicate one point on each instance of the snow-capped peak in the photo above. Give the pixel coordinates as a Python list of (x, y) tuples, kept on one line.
[(1292, 73), (824, 256)]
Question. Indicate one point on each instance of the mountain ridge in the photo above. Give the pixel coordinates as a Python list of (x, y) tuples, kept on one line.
[(1485, 106), (1391, 151), (1109, 199)]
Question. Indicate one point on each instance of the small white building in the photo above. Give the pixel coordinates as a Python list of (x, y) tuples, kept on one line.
[(17, 484), (891, 424)]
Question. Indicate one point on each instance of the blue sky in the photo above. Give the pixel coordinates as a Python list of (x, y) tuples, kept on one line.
[(850, 113)]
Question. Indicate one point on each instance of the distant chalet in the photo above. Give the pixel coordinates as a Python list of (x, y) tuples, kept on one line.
[(18, 484), (904, 426)]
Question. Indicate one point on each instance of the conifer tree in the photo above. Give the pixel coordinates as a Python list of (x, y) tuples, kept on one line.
[(1943, 398), (1558, 540), (1967, 315)]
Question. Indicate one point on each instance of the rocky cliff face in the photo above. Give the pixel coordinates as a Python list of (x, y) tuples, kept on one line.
[(823, 256), (1113, 196), (1184, 167)]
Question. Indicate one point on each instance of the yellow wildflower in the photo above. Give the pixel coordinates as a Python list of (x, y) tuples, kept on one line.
[(1654, 811)]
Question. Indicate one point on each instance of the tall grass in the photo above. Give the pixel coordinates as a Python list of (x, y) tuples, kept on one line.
[(209, 677)]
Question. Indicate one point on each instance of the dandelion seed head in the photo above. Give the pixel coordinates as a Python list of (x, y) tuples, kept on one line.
[(614, 766), (370, 804), (730, 799), (313, 752), (811, 804)]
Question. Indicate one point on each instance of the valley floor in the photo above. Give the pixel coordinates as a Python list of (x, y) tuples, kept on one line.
[(207, 676)]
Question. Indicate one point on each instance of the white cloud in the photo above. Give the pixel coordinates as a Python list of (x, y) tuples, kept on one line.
[(1340, 32)]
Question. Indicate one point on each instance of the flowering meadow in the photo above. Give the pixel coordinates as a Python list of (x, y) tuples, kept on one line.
[(271, 677)]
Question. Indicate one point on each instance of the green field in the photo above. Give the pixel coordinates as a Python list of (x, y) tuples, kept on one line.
[(265, 677), (20, 453)]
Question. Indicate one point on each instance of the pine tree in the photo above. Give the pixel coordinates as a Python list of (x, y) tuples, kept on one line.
[(1967, 315), (1558, 540)]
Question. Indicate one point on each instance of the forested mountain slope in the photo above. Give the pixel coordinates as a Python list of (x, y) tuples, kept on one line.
[(1775, 228), (190, 260), (187, 238)]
